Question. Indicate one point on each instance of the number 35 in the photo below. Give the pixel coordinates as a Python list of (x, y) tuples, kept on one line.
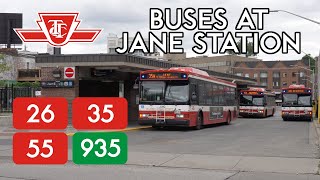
[(97, 113)]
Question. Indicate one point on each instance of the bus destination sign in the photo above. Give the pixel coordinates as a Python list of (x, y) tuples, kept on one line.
[(251, 93), (164, 75), (296, 90)]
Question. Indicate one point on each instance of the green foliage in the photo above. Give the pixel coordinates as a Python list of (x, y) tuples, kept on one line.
[(3, 66), (27, 84), (3, 83), (249, 49), (310, 59)]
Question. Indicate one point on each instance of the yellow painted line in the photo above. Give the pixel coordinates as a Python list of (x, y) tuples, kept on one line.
[(120, 130)]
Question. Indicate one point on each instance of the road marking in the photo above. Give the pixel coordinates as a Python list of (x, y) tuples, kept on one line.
[(121, 130)]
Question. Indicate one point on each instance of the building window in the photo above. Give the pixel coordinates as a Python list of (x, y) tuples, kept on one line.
[(294, 82), (276, 79), (239, 74), (276, 74), (228, 63), (301, 74), (294, 74), (263, 83), (255, 75), (263, 75), (247, 75), (284, 75), (284, 83)]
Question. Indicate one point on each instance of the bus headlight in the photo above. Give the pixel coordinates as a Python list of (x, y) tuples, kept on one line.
[(179, 115), (144, 115)]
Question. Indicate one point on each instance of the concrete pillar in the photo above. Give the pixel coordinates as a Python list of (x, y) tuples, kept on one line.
[(121, 89)]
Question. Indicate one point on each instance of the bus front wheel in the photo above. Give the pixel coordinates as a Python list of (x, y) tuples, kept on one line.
[(199, 123), (273, 112), (228, 121)]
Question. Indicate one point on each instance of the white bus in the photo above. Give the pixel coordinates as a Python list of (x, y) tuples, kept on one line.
[(256, 102), (186, 97)]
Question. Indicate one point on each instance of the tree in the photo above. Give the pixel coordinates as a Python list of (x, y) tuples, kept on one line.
[(310, 59), (249, 49), (3, 65)]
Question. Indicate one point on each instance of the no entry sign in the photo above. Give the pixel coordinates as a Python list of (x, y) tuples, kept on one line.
[(69, 72)]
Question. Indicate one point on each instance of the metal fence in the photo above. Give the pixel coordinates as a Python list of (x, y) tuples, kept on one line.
[(9, 93)]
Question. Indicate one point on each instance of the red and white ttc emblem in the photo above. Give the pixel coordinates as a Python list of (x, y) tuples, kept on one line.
[(58, 29)]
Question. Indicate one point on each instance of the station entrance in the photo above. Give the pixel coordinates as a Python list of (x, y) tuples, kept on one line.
[(93, 88), (107, 82)]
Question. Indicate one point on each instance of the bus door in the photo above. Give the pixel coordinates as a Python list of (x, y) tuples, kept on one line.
[(161, 114)]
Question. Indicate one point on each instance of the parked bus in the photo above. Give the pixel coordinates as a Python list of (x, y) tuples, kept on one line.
[(186, 97), (297, 103), (278, 98), (257, 102)]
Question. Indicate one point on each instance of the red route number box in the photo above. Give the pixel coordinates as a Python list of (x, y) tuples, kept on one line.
[(40, 113), (99, 113), (40, 148)]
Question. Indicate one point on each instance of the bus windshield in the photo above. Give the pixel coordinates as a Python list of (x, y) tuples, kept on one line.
[(297, 100), (251, 100), (164, 92)]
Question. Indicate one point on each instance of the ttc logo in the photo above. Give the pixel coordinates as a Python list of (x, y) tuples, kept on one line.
[(58, 29)]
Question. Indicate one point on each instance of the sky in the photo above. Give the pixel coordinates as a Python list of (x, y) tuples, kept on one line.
[(117, 16)]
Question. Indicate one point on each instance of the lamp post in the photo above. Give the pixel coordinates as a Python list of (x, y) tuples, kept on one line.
[(318, 66)]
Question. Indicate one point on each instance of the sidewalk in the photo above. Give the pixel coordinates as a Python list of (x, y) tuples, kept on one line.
[(317, 126), (5, 120)]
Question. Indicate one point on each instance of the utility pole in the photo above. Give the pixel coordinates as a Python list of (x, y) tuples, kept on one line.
[(318, 88)]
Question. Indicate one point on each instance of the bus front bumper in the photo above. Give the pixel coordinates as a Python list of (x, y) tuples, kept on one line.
[(298, 117), (166, 122), (253, 114)]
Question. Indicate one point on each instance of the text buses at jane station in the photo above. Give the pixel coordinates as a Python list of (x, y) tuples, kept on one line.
[(297, 103), (257, 102), (186, 97)]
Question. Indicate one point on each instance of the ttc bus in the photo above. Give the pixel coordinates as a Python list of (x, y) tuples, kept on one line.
[(297, 103), (185, 97), (256, 102)]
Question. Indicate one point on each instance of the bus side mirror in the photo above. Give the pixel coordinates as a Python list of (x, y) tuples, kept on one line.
[(135, 86), (194, 97)]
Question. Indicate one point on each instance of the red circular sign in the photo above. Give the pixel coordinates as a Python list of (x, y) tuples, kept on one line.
[(69, 72)]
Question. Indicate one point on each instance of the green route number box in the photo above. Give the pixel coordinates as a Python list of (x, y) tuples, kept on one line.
[(100, 148)]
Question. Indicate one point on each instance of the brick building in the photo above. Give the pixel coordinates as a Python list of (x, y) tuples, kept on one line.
[(222, 64), (275, 75)]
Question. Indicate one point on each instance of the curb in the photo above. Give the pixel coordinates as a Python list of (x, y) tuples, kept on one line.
[(317, 128)]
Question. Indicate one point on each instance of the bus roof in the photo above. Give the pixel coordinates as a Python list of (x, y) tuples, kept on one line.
[(296, 86), (256, 91), (190, 71)]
